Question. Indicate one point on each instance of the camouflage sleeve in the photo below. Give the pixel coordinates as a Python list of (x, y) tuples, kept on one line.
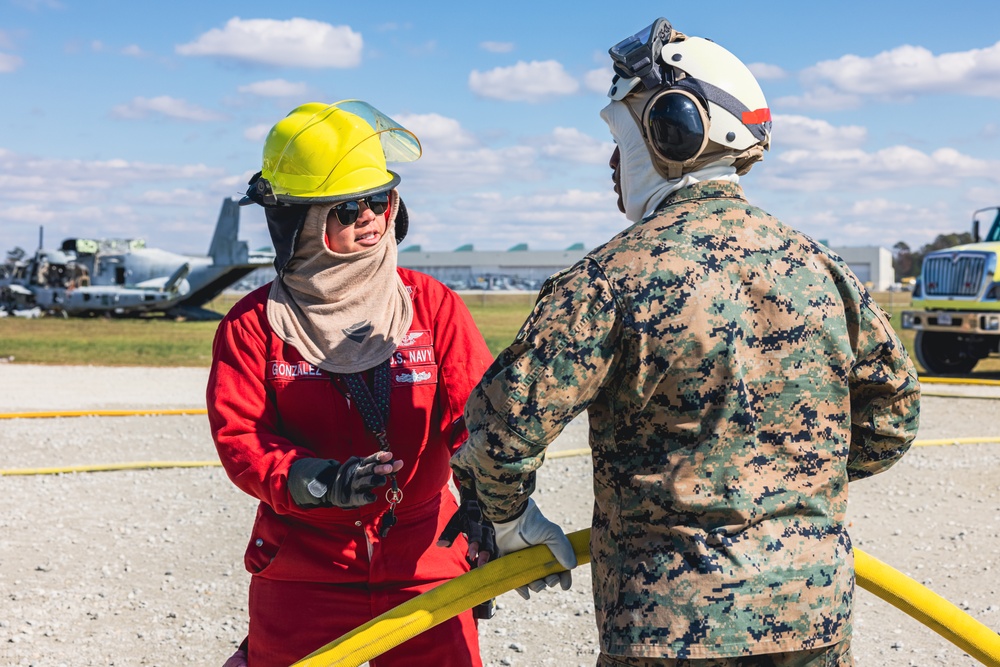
[(885, 396), (555, 367)]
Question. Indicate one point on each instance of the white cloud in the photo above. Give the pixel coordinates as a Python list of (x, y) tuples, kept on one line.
[(599, 80), (497, 47), (811, 133), (468, 167), (30, 213), (524, 82), (912, 70), (275, 88), (572, 145), (106, 198), (819, 97), (256, 132), (9, 63), (436, 131), (544, 219), (174, 197), (97, 46), (853, 169), (164, 105), (765, 71), (134, 51), (296, 42), (35, 5)]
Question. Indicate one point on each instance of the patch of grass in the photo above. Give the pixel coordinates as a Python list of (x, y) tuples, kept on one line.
[(160, 341), (154, 341), (499, 319)]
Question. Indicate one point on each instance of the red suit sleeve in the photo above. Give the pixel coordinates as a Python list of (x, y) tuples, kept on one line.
[(243, 418)]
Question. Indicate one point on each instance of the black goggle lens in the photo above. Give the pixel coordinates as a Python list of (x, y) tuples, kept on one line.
[(347, 213), (676, 127)]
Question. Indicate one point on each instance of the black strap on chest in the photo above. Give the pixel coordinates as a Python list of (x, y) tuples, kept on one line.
[(373, 404)]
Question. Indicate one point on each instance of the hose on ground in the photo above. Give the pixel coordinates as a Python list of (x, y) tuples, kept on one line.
[(521, 567)]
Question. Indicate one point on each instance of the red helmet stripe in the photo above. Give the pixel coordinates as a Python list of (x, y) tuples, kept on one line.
[(756, 117)]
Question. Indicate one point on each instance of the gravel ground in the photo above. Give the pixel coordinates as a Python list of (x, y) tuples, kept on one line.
[(145, 567)]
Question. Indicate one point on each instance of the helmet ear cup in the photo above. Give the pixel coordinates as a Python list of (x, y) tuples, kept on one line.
[(676, 125)]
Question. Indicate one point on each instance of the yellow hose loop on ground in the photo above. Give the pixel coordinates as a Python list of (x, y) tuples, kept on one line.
[(49, 414), (517, 569), (951, 394), (566, 453), (956, 441), (140, 465), (987, 383), (102, 413), (928, 607), (447, 600)]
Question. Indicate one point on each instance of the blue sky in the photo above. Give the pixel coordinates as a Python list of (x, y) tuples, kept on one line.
[(130, 119)]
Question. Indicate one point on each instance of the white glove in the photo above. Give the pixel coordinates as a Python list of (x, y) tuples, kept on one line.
[(532, 528)]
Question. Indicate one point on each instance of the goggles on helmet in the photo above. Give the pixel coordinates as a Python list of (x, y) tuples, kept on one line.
[(639, 55), (347, 212)]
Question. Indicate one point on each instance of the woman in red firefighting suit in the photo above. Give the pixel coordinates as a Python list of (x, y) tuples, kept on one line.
[(335, 397)]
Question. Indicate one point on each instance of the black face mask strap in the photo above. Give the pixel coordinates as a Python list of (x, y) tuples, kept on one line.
[(374, 409)]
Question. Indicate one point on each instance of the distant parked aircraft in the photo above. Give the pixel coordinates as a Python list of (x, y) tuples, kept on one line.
[(123, 277)]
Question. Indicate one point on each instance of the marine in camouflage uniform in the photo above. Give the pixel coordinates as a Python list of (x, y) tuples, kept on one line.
[(737, 376)]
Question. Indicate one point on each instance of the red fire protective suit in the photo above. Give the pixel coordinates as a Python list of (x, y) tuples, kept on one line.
[(318, 573)]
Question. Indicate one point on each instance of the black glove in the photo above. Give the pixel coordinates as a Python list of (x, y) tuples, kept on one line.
[(469, 519), (327, 483)]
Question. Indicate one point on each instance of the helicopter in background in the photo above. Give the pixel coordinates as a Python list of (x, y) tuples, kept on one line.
[(124, 277)]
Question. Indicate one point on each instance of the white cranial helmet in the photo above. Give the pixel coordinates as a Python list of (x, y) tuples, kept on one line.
[(693, 100)]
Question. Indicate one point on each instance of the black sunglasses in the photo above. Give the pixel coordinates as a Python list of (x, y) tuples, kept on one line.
[(347, 213)]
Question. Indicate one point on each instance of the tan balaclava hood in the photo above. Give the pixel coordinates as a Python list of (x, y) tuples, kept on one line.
[(344, 313), (644, 186)]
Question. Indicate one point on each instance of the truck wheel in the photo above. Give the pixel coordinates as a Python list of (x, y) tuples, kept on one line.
[(942, 353)]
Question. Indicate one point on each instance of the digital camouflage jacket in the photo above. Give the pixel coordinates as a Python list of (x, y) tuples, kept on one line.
[(737, 375)]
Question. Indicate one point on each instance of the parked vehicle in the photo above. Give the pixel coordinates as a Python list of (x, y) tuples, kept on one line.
[(958, 292)]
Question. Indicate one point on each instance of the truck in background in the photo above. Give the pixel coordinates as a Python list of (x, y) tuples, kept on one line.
[(958, 292)]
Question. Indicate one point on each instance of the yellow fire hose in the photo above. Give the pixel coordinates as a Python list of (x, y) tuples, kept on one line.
[(928, 607), (106, 467), (936, 380), (102, 413), (566, 453), (202, 411), (519, 568)]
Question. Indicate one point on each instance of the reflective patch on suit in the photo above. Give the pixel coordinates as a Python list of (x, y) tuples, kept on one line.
[(414, 375), (283, 370)]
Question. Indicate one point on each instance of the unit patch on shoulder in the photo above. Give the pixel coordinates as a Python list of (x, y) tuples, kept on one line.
[(284, 370)]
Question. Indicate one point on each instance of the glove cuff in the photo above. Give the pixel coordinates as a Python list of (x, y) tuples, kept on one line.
[(508, 533), (309, 482)]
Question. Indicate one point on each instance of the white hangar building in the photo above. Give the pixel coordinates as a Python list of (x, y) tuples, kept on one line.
[(520, 268)]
